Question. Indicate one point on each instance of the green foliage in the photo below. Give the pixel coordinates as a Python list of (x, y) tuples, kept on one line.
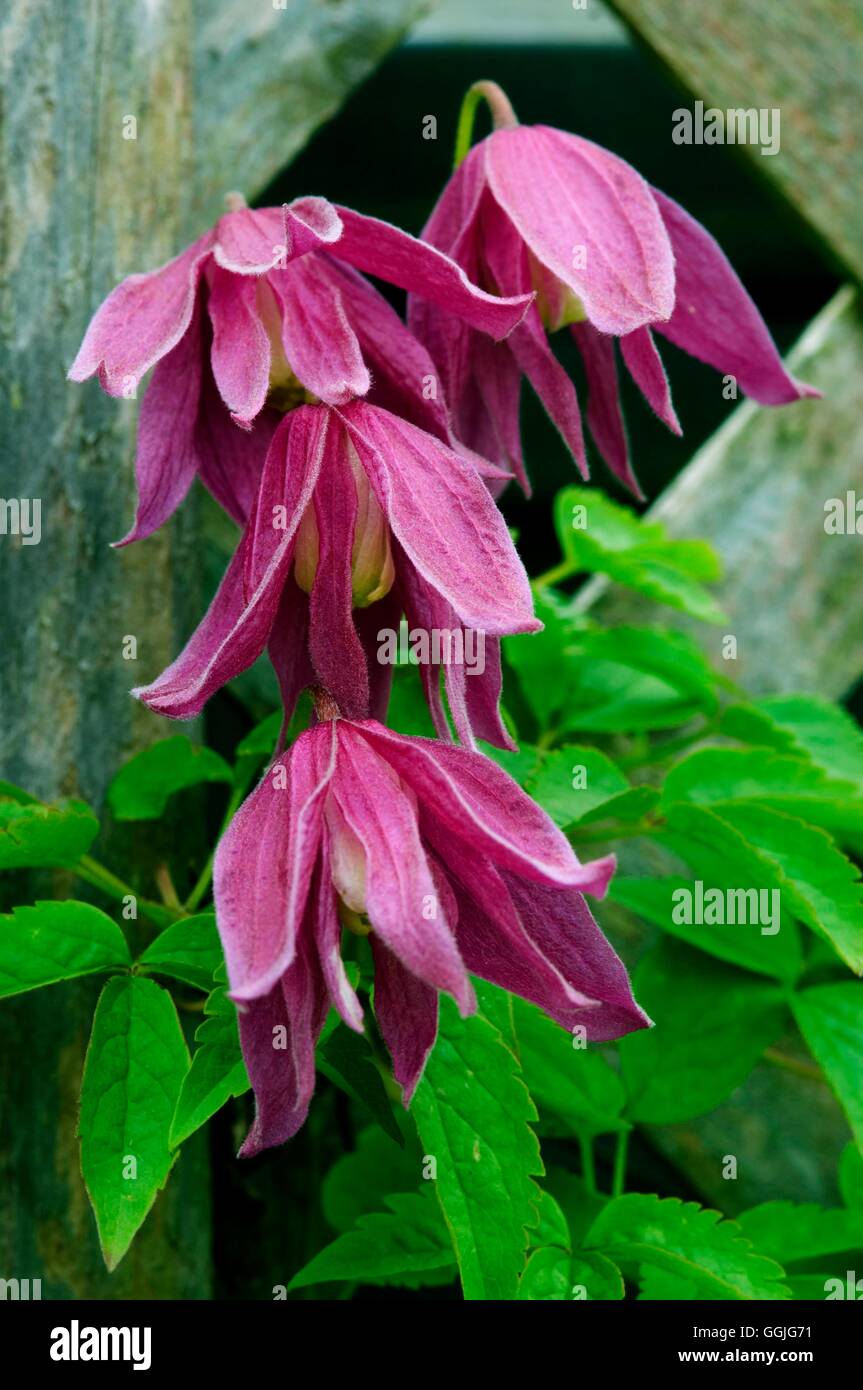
[(385, 1247), (142, 787), (188, 950), (473, 1113), (830, 1017), (35, 836), (347, 1060), (136, 1061), (54, 941), (217, 1071)]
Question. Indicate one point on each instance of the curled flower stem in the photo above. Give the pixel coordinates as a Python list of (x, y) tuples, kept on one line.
[(793, 1065), (503, 115)]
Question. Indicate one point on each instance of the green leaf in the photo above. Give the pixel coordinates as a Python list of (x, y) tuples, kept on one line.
[(830, 1017), (636, 553), (347, 1060), (687, 1241), (217, 1071), (806, 725), (671, 657), (851, 1177), (791, 1231), (54, 941), (660, 1286), (712, 1024), (793, 785), (261, 741), (575, 1086), (658, 901), (816, 882), (385, 1246), (580, 1206), (359, 1182), (473, 1113), (9, 792), (554, 1275), (141, 788), (188, 950), (408, 712), (135, 1066), (35, 836), (573, 780), (550, 1226)]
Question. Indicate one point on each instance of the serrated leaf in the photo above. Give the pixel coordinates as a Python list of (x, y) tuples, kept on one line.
[(816, 882), (549, 1226), (578, 1203), (712, 1024), (788, 784), (408, 1239), (658, 1285), (793, 1231), (473, 1113), (555, 1275), (54, 941), (830, 1017), (658, 900), (188, 950), (347, 1060), (806, 725), (36, 836), (359, 1182), (687, 1241), (217, 1071), (141, 788), (135, 1064), (672, 657), (636, 553), (575, 1086)]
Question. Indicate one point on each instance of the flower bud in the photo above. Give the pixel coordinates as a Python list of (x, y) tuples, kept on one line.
[(372, 569)]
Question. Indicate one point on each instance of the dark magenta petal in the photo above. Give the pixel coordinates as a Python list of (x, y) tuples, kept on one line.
[(406, 1010)]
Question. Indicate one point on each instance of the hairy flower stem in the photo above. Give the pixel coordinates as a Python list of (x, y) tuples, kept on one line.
[(96, 874), (618, 1176), (501, 111)]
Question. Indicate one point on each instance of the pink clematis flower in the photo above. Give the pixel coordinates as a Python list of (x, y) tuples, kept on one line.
[(266, 311), (531, 207), (437, 854), (360, 516)]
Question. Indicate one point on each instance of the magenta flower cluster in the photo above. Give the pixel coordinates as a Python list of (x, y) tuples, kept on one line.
[(362, 456)]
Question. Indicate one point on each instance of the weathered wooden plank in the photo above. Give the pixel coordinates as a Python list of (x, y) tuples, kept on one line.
[(757, 491), (804, 59), (122, 126), (267, 75)]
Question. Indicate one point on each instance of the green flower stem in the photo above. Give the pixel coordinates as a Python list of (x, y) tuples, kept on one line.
[(502, 114), (661, 752), (588, 1167), (96, 874), (618, 1177), (793, 1065), (565, 570)]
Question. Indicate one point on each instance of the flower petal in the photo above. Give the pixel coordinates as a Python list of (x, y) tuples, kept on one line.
[(641, 356), (278, 1035), (401, 896), (250, 241), (166, 459), (445, 520), (310, 224), (238, 623), (564, 194), (406, 1010), (264, 862), (604, 415), (714, 318), (240, 354), (328, 939), (140, 322), (336, 651), (383, 250), (400, 367), (475, 798), (319, 342), (562, 927)]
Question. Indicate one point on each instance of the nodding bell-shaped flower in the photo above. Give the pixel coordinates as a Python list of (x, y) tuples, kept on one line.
[(442, 861), (533, 208), (361, 517), (265, 312)]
